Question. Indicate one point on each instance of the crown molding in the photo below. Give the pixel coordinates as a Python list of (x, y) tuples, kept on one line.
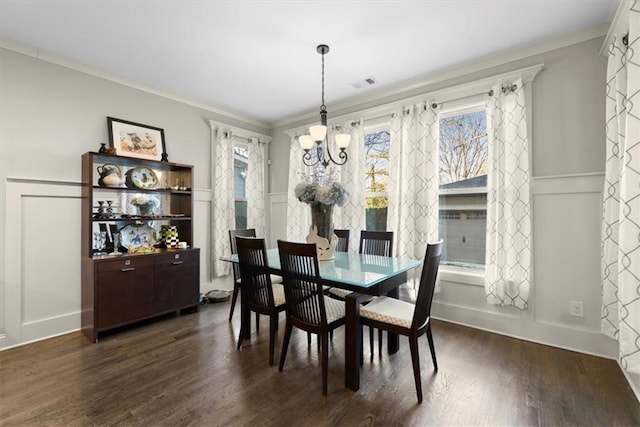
[(52, 58), (619, 25), (401, 91)]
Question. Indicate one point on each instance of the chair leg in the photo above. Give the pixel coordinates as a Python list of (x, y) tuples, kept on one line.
[(432, 348), (242, 326), (361, 347), (273, 326), (371, 341), (308, 339), (415, 359), (380, 342), (325, 362), (285, 344), (236, 288), (257, 323)]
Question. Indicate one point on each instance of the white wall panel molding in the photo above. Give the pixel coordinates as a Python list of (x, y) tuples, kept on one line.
[(566, 184), (557, 336), (277, 213), (43, 244)]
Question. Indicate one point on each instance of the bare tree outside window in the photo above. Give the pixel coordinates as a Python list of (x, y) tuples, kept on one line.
[(463, 147), (376, 147)]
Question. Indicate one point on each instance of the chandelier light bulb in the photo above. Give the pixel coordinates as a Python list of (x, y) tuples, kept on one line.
[(306, 142), (343, 140), (318, 132)]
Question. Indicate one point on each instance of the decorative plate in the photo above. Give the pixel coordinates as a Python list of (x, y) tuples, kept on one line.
[(135, 235), (142, 177)]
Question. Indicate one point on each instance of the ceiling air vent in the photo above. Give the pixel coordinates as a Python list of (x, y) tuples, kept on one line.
[(364, 83)]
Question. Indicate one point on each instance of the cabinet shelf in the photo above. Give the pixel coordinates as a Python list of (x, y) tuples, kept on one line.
[(145, 219), (140, 190)]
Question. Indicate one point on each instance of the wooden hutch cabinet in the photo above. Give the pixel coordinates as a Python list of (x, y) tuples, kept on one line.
[(149, 204)]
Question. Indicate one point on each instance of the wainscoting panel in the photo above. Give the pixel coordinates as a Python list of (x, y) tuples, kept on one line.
[(42, 281), (277, 203), (42, 278), (566, 262), (202, 233)]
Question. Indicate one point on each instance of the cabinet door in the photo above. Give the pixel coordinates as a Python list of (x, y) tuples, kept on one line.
[(176, 280), (124, 291)]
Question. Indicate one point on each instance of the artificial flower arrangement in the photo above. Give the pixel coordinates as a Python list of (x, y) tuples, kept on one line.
[(330, 193)]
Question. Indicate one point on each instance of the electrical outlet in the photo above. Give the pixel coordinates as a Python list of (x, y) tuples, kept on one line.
[(576, 309)]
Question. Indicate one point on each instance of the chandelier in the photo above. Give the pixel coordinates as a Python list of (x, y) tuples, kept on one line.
[(318, 134)]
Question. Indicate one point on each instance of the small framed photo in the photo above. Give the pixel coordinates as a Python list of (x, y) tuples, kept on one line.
[(136, 140)]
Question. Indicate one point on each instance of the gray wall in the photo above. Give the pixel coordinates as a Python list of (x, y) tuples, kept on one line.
[(49, 116)]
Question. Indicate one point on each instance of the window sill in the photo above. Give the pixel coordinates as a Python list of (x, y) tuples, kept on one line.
[(466, 276)]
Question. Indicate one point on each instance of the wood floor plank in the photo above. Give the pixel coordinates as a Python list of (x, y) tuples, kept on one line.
[(185, 370)]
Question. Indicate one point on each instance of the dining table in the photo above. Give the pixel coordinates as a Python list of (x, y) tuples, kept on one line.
[(364, 275)]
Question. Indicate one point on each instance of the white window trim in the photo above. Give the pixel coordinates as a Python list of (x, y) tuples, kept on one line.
[(448, 273), (465, 276)]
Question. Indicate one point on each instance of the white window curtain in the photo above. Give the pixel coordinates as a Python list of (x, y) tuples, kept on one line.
[(298, 215), (621, 197), (255, 187), (413, 180), (223, 201), (352, 215), (509, 236)]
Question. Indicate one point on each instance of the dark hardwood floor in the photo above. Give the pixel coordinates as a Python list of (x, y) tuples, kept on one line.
[(185, 370)]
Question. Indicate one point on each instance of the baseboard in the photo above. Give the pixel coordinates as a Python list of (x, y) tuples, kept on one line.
[(633, 380)]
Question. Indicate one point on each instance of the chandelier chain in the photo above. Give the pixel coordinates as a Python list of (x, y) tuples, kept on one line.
[(323, 107)]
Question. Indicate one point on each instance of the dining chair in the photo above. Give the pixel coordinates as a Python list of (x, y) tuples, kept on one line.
[(307, 306), (404, 318), (258, 293), (343, 240), (371, 243), (237, 279)]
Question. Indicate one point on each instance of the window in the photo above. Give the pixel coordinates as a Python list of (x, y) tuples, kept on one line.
[(240, 166), (463, 152), (376, 145)]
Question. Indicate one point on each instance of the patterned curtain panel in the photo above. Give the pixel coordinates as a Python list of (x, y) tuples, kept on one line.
[(621, 197), (351, 175), (255, 187), (413, 180), (508, 257), (223, 202), (298, 213)]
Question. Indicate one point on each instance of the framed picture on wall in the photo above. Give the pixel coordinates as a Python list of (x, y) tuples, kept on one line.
[(136, 140)]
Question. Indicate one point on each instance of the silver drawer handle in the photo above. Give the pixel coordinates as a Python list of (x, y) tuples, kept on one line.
[(177, 262), (124, 270)]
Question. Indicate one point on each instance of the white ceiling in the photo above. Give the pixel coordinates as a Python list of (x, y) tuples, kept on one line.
[(259, 58)]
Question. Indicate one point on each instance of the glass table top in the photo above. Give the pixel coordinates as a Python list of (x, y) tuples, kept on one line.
[(353, 268)]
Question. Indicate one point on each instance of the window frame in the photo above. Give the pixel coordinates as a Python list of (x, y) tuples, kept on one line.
[(450, 273), (245, 146), (367, 130)]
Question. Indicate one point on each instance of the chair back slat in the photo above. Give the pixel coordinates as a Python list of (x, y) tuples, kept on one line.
[(343, 240), (249, 232), (256, 280), (427, 284), (302, 285), (376, 243)]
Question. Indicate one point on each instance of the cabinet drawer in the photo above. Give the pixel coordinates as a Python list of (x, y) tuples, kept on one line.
[(124, 264), (177, 258)]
